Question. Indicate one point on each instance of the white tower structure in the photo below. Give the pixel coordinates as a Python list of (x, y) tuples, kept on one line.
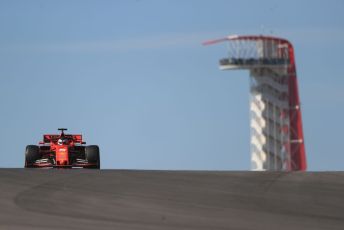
[(276, 126)]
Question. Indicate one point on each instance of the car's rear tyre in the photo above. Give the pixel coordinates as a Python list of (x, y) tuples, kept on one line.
[(92, 155), (31, 155)]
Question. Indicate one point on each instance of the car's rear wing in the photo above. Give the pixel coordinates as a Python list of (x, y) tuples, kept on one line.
[(77, 138)]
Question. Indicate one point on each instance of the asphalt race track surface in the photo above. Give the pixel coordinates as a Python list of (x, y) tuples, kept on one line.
[(124, 199)]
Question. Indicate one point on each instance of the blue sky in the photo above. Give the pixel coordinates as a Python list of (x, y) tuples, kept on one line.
[(133, 77)]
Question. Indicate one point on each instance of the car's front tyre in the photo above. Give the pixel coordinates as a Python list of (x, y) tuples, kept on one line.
[(31, 155), (92, 155)]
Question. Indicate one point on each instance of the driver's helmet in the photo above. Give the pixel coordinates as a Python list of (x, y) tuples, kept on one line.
[(62, 141)]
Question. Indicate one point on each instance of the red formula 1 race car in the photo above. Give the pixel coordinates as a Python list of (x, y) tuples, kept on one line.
[(62, 151)]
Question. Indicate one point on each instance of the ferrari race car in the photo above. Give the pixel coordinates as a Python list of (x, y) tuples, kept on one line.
[(62, 151)]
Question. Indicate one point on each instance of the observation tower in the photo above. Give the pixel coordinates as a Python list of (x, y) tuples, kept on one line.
[(277, 141)]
